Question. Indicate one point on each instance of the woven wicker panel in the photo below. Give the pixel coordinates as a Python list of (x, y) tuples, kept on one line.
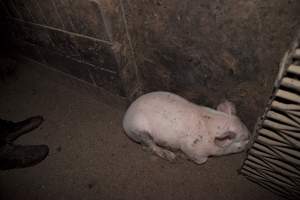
[(273, 161)]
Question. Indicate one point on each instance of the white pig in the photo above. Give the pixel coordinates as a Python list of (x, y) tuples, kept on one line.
[(164, 122)]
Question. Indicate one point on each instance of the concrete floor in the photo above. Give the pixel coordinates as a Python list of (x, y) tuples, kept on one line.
[(91, 158)]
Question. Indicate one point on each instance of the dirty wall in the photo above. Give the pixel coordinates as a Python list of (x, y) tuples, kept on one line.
[(204, 50)]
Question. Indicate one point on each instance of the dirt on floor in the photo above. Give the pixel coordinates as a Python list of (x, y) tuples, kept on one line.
[(90, 156)]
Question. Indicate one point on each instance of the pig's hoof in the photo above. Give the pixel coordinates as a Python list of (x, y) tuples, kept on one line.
[(168, 155), (200, 160)]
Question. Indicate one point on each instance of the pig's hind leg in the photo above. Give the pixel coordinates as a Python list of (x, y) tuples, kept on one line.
[(148, 141)]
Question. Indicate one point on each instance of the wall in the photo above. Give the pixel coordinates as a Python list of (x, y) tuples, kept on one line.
[(204, 50), (208, 50), (73, 36)]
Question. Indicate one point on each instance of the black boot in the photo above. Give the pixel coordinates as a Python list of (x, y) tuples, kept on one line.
[(18, 156), (10, 131)]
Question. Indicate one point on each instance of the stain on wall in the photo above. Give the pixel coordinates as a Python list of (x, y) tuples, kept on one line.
[(204, 50)]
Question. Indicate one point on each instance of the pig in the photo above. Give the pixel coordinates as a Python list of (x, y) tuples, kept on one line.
[(167, 123)]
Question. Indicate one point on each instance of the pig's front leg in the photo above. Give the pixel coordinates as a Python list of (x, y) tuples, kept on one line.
[(196, 157), (194, 153), (199, 160)]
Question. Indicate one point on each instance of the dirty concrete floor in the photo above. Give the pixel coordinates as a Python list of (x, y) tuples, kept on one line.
[(91, 158)]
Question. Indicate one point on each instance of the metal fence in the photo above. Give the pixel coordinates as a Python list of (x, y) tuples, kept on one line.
[(273, 160)]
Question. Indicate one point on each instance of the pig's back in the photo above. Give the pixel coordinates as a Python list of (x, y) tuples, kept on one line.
[(162, 114)]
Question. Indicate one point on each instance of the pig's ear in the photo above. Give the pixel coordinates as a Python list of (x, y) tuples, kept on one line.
[(225, 139), (227, 107)]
